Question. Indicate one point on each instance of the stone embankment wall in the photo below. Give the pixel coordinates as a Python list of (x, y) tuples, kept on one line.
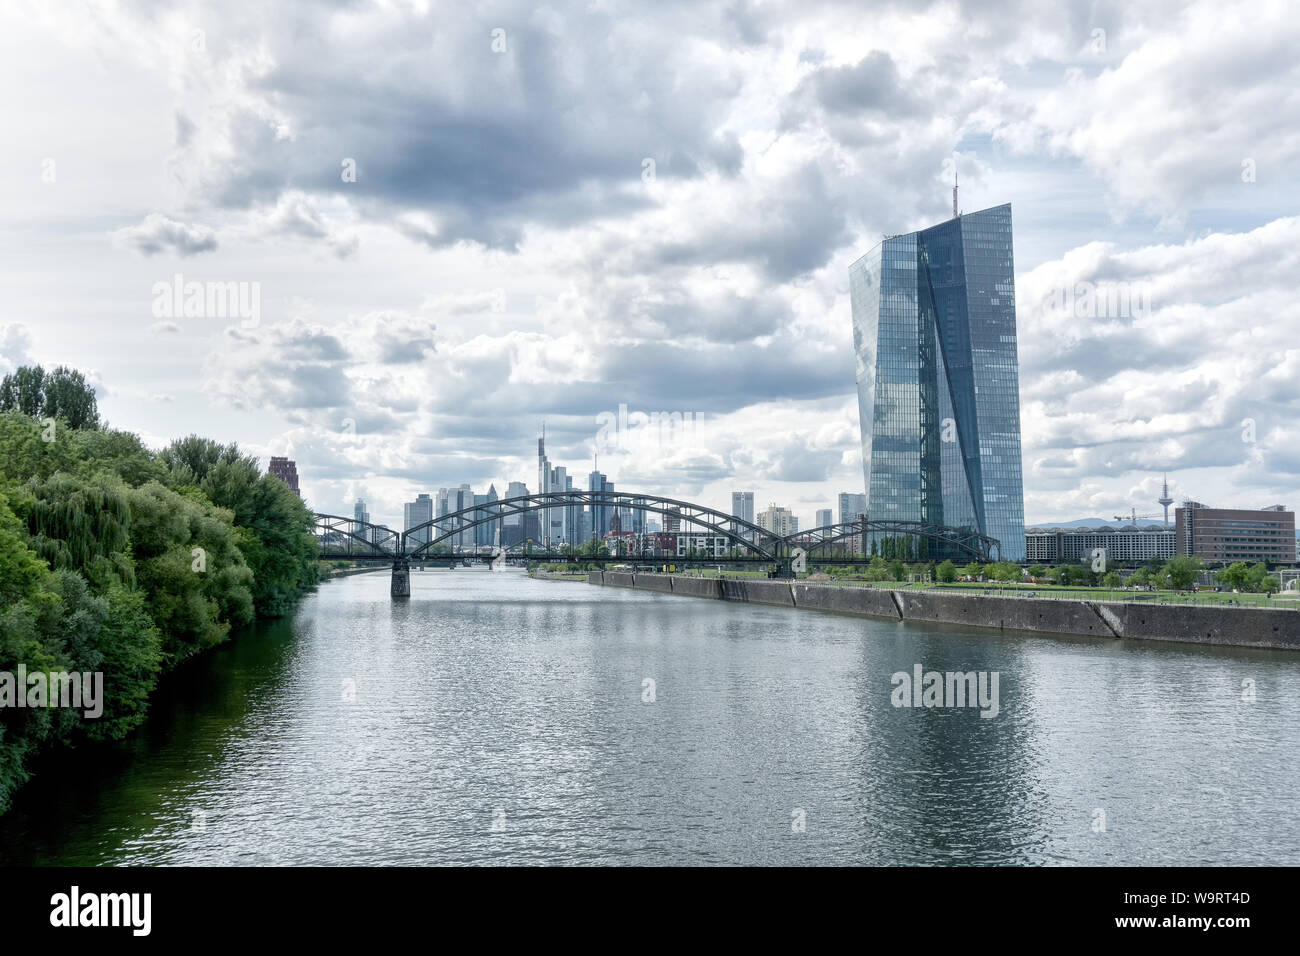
[(1241, 627)]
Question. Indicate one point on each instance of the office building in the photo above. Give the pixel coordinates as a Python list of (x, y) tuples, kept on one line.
[(850, 506), (512, 525), (1224, 535), (742, 507), (415, 513), (600, 514), (934, 334), (823, 518)]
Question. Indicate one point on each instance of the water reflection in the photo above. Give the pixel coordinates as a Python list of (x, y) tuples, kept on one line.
[(492, 718)]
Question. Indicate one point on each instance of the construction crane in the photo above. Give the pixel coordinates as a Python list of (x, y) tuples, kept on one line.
[(1133, 516)]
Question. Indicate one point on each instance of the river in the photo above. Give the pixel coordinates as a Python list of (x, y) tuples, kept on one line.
[(492, 718)]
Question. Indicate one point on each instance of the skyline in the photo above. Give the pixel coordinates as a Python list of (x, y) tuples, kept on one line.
[(496, 259)]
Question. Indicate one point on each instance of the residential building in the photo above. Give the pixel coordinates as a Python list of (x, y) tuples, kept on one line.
[(779, 521), (286, 469)]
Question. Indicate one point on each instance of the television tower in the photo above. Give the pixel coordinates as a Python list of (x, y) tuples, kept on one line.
[(1165, 500)]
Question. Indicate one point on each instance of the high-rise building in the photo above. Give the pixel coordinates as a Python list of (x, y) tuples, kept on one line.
[(544, 476), (486, 533), (851, 505), (417, 512), (823, 518), (512, 526), (777, 520), (286, 469), (359, 512), (742, 507), (600, 514), (934, 332), (672, 520)]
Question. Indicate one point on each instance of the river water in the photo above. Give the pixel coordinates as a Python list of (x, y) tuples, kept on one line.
[(497, 719)]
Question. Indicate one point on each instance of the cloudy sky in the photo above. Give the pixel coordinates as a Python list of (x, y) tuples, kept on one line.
[(459, 223)]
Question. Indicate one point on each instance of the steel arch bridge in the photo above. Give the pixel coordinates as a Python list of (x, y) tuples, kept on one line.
[(965, 541), (346, 537)]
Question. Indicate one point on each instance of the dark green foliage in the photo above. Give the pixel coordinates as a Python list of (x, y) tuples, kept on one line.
[(117, 560), (280, 548), (62, 394)]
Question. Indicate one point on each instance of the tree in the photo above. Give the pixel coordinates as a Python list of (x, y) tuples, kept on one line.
[(1181, 571), (946, 572), (1110, 579), (1003, 571), (1259, 580), (1037, 571), (972, 570), (897, 569), (62, 394), (23, 390), (69, 397), (1234, 576), (279, 545)]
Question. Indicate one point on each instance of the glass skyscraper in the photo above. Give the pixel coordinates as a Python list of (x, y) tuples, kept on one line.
[(934, 331)]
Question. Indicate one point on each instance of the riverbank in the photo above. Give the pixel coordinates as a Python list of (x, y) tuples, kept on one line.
[(1236, 626), (327, 573)]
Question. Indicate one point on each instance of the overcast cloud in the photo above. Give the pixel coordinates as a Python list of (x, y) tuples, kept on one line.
[(461, 223)]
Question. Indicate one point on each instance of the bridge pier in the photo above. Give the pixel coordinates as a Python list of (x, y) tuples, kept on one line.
[(401, 578), (784, 569)]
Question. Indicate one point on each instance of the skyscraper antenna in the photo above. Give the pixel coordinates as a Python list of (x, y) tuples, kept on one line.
[(955, 214)]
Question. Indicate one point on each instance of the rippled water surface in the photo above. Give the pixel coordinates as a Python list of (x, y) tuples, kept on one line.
[(498, 719)]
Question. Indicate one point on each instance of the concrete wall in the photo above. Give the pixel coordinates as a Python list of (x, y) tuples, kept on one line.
[(758, 591), (595, 577), (873, 602), (698, 587), (1239, 627), (1007, 613), (653, 582)]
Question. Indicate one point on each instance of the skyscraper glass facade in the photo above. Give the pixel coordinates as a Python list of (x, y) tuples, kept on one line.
[(934, 333)]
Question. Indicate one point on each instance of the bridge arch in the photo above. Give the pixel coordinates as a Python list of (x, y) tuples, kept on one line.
[(357, 532), (762, 542), (967, 541)]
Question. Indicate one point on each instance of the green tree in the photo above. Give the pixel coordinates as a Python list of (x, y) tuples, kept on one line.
[(62, 394), (972, 570), (1234, 576), (946, 572), (1181, 571)]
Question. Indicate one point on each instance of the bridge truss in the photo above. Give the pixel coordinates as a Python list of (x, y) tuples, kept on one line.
[(343, 537)]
